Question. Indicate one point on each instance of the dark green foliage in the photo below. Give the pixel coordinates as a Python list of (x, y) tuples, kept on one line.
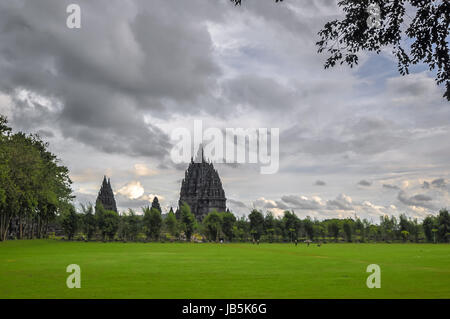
[(429, 223), (88, 221), (171, 223), (34, 187), (269, 226), (348, 229), (187, 221), (291, 225), (152, 222), (309, 228), (107, 222), (241, 229), (256, 224), (421, 38), (212, 223), (70, 222), (129, 226), (228, 221), (444, 226), (333, 229)]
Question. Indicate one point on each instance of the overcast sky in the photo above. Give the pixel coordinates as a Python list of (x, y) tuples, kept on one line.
[(362, 141)]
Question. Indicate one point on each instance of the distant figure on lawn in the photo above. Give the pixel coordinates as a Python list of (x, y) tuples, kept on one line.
[(296, 242)]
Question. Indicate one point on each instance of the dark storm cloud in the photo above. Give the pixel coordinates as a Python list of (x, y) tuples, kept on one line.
[(260, 93), (111, 75), (419, 200), (365, 136), (440, 183), (436, 183), (281, 15), (364, 183), (389, 186), (340, 203), (299, 202), (45, 133)]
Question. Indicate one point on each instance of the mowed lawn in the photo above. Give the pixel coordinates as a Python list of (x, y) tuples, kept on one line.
[(37, 269)]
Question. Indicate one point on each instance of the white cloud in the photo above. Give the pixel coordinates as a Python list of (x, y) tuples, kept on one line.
[(132, 190), (143, 170)]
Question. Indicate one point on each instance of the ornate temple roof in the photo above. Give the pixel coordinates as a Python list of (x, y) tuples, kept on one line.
[(106, 195), (202, 188)]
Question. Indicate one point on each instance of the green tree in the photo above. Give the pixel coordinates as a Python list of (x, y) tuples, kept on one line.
[(107, 221), (213, 222), (405, 235), (228, 221), (171, 223), (443, 220), (256, 224), (360, 229), (429, 223), (270, 226), (241, 229), (152, 222), (388, 227), (308, 225), (333, 229), (88, 221), (187, 221), (422, 38), (291, 225), (348, 229), (132, 222), (34, 187), (110, 224), (415, 230), (128, 226), (70, 221)]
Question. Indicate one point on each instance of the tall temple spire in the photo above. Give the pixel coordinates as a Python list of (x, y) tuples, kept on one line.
[(201, 188), (106, 195)]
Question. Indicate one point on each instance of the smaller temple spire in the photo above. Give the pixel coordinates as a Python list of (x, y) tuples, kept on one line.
[(106, 195)]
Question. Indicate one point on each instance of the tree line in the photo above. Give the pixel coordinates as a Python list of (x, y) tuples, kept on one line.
[(34, 186), (36, 200), (96, 223)]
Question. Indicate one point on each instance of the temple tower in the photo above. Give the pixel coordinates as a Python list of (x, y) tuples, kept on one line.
[(202, 189)]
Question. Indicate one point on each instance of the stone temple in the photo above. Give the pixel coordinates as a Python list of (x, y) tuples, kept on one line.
[(106, 196), (202, 189)]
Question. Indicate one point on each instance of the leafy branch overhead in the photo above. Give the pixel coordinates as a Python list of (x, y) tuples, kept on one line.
[(415, 30)]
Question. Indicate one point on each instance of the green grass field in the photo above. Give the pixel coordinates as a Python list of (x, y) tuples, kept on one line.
[(37, 269)]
